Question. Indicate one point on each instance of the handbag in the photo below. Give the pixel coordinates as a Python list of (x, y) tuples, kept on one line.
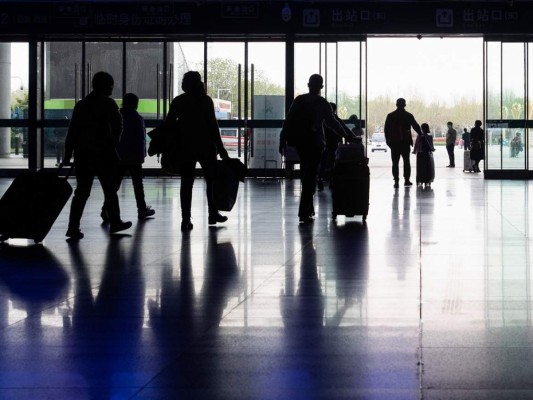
[(165, 142)]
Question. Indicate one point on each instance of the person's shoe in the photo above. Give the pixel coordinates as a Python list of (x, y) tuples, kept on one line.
[(306, 220), (396, 184), (121, 226), (214, 218), (186, 225), (104, 216), (147, 212), (408, 183), (74, 233)]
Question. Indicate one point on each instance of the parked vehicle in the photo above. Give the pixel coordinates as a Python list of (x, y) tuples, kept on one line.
[(378, 142)]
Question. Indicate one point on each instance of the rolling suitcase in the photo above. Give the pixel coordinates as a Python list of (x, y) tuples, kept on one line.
[(350, 188), (425, 168), (468, 163), (31, 204)]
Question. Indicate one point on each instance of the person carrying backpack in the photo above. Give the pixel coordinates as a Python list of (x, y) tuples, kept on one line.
[(303, 128)]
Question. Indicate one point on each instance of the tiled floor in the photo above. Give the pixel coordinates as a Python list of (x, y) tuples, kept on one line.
[(431, 299)]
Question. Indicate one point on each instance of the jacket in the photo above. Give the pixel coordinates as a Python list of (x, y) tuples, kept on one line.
[(132, 145), (398, 127), (94, 131)]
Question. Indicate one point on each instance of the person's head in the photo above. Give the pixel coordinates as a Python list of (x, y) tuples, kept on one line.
[(425, 128), (450, 124), (103, 83), (192, 82), (401, 103), (465, 130), (517, 134), (333, 107), (130, 102), (477, 124), (315, 84)]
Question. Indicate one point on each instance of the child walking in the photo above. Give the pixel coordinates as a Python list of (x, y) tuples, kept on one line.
[(425, 165)]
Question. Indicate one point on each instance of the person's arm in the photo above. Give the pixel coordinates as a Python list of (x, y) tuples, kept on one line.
[(347, 131), (332, 122), (115, 122), (415, 125)]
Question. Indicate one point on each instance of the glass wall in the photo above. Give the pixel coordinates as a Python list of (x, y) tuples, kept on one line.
[(14, 79), (505, 106), (267, 67)]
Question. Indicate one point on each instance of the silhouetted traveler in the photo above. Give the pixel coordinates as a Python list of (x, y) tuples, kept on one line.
[(304, 129), (92, 137), (451, 137), (132, 152), (466, 139), (332, 143), (477, 144), (399, 138), (516, 145), (199, 141)]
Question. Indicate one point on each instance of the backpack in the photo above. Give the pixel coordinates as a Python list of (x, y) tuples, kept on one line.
[(302, 119)]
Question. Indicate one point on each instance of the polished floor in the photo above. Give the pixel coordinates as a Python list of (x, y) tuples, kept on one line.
[(430, 299)]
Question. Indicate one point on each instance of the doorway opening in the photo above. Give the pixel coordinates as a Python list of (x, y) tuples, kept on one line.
[(440, 78)]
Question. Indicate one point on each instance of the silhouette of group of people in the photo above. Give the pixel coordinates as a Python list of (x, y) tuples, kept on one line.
[(399, 138), (106, 142)]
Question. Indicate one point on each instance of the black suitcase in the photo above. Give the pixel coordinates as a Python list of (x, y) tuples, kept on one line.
[(425, 168), (31, 204), (350, 188)]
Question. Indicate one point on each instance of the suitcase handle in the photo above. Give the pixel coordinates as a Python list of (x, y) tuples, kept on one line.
[(61, 165)]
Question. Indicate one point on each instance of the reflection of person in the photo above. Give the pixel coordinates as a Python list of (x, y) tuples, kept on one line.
[(116, 311), (92, 137), (451, 137), (399, 138), (332, 143), (516, 145), (132, 151), (477, 144), (200, 141), (303, 307), (305, 119), (466, 139)]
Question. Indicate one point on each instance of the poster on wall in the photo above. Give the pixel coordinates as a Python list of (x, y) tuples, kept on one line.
[(266, 140)]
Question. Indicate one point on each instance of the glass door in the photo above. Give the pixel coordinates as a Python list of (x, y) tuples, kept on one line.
[(507, 123), (343, 67)]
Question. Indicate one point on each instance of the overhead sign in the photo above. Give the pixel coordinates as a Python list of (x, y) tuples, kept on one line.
[(272, 17)]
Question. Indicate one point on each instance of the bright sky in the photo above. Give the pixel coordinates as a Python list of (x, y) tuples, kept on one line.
[(435, 68)]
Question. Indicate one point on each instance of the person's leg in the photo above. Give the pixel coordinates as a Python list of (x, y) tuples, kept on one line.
[(187, 182), (311, 160), (107, 178), (449, 149), (138, 186), (84, 183), (405, 152), (119, 172), (395, 155)]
